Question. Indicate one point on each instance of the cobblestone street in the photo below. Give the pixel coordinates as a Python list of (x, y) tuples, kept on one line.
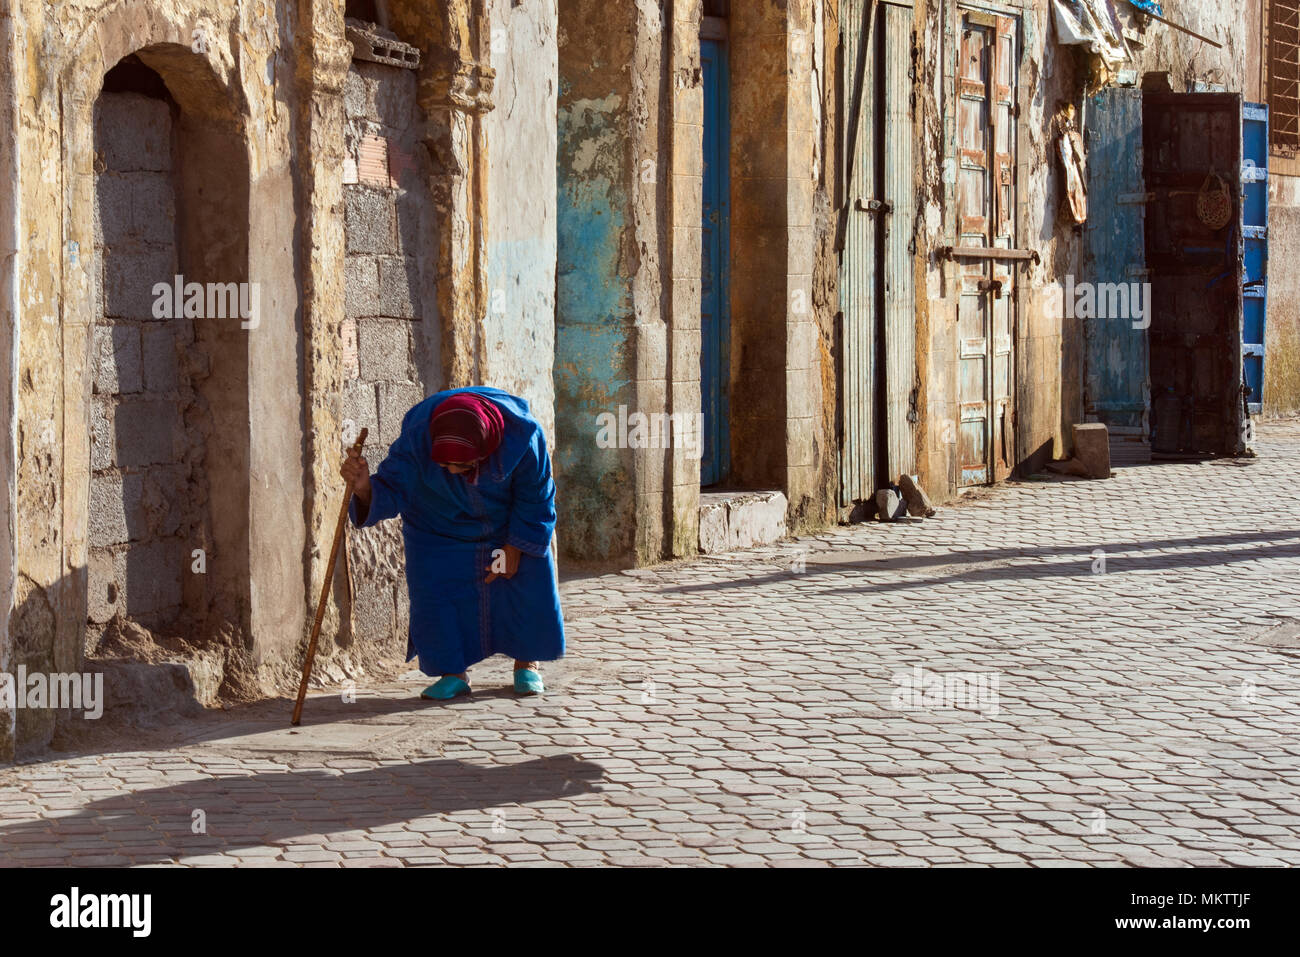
[(1135, 702)]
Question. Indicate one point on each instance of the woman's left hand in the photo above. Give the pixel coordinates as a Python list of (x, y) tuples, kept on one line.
[(505, 562)]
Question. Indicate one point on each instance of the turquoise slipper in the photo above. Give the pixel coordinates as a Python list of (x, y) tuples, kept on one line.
[(528, 681), (446, 688)]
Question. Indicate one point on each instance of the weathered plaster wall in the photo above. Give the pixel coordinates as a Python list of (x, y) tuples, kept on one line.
[(519, 323), (628, 307), (598, 257), (1282, 349), (231, 74), (260, 119), (10, 191)]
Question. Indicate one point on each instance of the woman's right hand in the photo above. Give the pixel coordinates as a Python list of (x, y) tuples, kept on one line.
[(356, 471)]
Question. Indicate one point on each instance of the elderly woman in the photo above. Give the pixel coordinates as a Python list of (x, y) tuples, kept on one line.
[(471, 478)]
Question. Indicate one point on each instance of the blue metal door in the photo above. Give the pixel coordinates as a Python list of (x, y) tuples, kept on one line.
[(1117, 388), (1254, 233), (715, 310)]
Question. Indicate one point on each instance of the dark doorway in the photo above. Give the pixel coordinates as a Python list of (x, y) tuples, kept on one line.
[(715, 307), (1192, 160)]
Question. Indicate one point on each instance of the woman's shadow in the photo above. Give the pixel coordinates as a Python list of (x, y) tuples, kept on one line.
[(223, 814)]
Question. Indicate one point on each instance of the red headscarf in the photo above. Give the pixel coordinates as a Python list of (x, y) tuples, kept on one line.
[(465, 427)]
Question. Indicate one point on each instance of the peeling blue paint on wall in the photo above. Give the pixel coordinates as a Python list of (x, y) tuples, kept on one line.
[(594, 325)]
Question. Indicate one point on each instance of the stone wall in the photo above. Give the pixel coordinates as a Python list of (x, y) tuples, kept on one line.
[(1282, 349), (248, 419), (389, 336), (519, 321)]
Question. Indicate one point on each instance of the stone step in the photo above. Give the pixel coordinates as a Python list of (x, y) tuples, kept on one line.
[(740, 519)]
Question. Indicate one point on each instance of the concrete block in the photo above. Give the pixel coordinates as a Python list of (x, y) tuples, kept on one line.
[(153, 208), (413, 238), (361, 408), (162, 500), (114, 512), (756, 519), (112, 209), (733, 520), (159, 358), (153, 578), (359, 93), (373, 610), (152, 694), (384, 348), (103, 442), (129, 278), (394, 95), (1092, 448), (103, 592), (395, 400), (361, 286), (145, 431), (117, 360), (348, 349), (133, 132), (713, 528), (370, 218), (399, 276)]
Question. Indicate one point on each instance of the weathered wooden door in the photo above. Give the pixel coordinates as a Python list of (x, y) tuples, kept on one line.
[(1192, 161), (715, 308), (1254, 231), (877, 333), (986, 91), (1117, 388)]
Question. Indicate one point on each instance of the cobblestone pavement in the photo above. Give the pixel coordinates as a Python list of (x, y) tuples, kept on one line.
[(1135, 702)]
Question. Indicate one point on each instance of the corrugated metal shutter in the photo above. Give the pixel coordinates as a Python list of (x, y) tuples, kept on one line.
[(900, 304), (878, 331), (858, 266)]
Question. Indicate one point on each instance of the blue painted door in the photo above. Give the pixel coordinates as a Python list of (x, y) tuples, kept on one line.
[(1254, 233), (1117, 388), (715, 311)]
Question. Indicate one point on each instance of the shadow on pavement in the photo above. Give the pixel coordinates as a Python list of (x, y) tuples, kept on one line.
[(1117, 561), (240, 811)]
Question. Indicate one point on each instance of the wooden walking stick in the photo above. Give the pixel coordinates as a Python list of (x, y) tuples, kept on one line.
[(325, 592)]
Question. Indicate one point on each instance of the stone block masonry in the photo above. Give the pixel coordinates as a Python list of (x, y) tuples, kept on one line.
[(387, 365), (137, 542)]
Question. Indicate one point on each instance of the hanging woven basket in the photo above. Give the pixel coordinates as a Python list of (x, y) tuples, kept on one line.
[(1214, 202)]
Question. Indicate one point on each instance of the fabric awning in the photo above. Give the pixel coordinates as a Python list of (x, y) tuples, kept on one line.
[(1094, 25)]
